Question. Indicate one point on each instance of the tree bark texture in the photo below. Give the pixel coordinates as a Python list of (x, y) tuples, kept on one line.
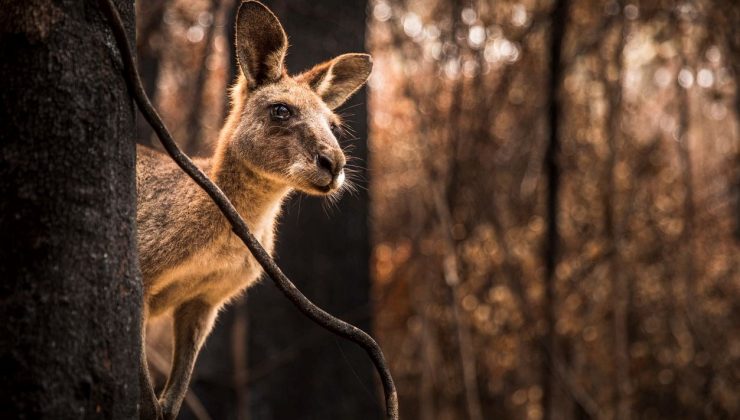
[(70, 291)]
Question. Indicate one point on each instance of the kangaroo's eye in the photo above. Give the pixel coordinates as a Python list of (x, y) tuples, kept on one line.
[(335, 130), (280, 112)]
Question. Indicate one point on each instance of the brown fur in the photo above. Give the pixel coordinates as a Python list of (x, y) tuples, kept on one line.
[(191, 262)]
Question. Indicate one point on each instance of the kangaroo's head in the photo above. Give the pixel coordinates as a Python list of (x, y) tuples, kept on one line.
[(286, 129)]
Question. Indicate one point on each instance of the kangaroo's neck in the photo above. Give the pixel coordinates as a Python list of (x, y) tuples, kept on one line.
[(256, 197)]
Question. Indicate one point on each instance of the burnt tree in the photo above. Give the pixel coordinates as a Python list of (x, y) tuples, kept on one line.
[(553, 399), (69, 339)]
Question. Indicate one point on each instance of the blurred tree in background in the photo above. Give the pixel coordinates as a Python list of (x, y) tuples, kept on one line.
[(640, 317), (554, 206)]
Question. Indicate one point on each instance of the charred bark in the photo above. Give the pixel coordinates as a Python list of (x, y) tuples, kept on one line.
[(71, 295)]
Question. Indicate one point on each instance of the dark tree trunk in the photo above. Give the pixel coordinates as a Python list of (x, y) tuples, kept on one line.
[(297, 370), (553, 398), (70, 292)]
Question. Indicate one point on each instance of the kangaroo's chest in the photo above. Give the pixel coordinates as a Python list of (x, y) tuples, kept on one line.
[(240, 268), (214, 273)]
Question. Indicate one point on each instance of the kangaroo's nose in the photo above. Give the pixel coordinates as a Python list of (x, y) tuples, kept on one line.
[(333, 165)]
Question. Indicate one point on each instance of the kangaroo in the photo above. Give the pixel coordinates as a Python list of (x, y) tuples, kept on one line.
[(280, 136)]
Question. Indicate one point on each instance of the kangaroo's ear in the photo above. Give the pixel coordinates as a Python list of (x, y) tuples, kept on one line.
[(261, 44), (335, 80)]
